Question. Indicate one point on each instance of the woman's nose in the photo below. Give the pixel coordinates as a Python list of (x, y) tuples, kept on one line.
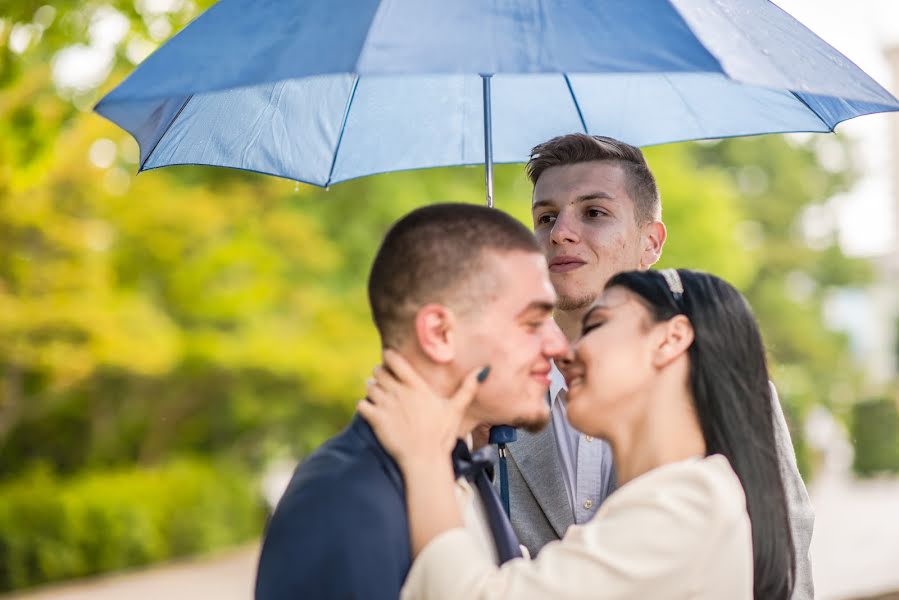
[(565, 360)]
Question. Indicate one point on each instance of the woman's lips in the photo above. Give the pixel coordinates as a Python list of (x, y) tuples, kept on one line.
[(575, 381)]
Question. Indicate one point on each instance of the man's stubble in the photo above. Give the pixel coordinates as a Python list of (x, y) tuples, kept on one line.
[(570, 303)]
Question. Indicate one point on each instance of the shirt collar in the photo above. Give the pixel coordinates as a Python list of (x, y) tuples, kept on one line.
[(556, 384)]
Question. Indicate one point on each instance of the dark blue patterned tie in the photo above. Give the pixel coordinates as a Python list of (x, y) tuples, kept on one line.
[(474, 469)]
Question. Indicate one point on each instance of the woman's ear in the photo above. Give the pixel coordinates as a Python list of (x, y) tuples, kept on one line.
[(677, 338), (434, 331)]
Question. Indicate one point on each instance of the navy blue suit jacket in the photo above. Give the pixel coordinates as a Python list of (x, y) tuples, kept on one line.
[(340, 530)]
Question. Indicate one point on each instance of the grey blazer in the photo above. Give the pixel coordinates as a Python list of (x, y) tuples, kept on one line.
[(541, 512)]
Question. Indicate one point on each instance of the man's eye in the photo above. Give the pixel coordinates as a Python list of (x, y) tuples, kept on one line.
[(594, 213), (545, 219)]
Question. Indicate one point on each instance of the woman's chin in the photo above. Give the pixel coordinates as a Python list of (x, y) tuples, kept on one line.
[(580, 411)]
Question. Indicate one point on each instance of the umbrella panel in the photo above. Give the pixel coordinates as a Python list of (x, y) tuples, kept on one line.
[(328, 129)]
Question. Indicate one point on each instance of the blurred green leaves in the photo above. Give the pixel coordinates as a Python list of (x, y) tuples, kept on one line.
[(51, 530)]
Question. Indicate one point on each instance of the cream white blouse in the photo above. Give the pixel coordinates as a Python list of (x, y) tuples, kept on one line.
[(678, 531)]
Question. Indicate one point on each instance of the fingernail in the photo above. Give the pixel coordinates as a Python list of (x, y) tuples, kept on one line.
[(482, 376)]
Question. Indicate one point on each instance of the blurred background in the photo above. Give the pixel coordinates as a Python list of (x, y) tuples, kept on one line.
[(171, 344)]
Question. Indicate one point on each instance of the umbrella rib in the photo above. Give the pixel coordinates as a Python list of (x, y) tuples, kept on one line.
[(164, 133), (577, 106), (813, 111), (346, 114)]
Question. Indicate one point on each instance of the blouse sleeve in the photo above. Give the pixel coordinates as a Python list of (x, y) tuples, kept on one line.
[(686, 529)]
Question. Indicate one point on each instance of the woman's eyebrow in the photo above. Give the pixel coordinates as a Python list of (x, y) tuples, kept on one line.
[(594, 309)]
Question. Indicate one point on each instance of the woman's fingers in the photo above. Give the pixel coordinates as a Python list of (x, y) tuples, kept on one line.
[(387, 380), (376, 419), (367, 409), (377, 394), (401, 369), (468, 389)]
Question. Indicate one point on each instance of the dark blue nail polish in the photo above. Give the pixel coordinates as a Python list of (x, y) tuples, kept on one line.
[(482, 376)]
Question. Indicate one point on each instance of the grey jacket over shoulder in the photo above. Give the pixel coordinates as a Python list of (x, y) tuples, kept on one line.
[(541, 512)]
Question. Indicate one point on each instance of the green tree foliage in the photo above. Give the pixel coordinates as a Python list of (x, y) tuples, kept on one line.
[(875, 437), (780, 182), (205, 310), (52, 530)]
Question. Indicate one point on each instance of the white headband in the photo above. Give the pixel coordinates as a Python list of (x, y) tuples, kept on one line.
[(672, 278)]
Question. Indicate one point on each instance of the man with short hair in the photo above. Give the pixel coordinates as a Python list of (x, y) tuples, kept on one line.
[(597, 211), (453, 288)]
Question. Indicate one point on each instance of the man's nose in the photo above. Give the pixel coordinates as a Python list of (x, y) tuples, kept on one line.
[(555, 344), (564, 230)]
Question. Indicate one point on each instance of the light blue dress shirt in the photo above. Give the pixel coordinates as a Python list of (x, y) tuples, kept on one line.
[(586, 461)]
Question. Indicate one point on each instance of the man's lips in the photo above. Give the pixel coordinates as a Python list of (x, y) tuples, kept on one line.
[(541, 376), (564, 264)]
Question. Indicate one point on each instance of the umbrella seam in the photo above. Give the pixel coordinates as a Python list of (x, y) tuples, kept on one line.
[(364, 45), (813, 111), (577, 106), (346, 114), (164, 133), (702, 44), (689, 109)]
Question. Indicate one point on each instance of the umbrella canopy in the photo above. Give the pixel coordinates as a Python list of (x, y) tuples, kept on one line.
[(321, 91)]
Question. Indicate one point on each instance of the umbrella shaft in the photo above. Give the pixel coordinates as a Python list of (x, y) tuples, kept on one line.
[(488, 140)]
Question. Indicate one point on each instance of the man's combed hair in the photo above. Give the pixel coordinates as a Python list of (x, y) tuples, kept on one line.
[(436, 254), (578, 148)]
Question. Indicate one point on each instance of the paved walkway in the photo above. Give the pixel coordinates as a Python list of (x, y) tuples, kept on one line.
[(225, 576), (855, 547)]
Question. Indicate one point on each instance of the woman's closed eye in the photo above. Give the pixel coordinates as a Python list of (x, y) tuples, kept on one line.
[(588, 327)]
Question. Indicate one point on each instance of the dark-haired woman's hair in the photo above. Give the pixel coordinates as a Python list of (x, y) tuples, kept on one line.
[(732, 396)]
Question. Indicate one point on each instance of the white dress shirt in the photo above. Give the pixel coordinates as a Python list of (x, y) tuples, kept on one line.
[(587, 463)]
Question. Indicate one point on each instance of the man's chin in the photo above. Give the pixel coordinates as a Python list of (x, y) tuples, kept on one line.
[(533, 423), (567, 302)]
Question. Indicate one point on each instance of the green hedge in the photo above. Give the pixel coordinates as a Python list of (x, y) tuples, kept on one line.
[(875, 437), (104, 521)]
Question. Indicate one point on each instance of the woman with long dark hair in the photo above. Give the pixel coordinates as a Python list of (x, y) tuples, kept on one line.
[(671, 370)]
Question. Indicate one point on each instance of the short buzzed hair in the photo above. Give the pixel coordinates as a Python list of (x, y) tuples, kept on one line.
[(579, 147), (436, 254)]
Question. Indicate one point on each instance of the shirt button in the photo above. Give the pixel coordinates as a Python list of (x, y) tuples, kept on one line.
[(589, 438), (588, 503)]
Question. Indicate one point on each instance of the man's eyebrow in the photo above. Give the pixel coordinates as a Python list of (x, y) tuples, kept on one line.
[(537, 306), (584, 198)]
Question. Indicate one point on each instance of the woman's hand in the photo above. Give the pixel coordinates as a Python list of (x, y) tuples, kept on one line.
[(419, 429), (414, 424)]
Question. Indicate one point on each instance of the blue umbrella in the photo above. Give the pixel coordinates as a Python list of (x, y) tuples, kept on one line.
[(322, 91)]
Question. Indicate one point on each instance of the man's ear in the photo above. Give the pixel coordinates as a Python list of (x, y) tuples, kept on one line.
[(652, 239), (434, 330), (677, 336)]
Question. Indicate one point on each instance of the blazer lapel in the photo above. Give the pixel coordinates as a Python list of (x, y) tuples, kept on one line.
[(538, 461)]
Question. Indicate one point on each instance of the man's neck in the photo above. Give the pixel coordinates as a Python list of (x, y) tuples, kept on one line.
[(569, 321)]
